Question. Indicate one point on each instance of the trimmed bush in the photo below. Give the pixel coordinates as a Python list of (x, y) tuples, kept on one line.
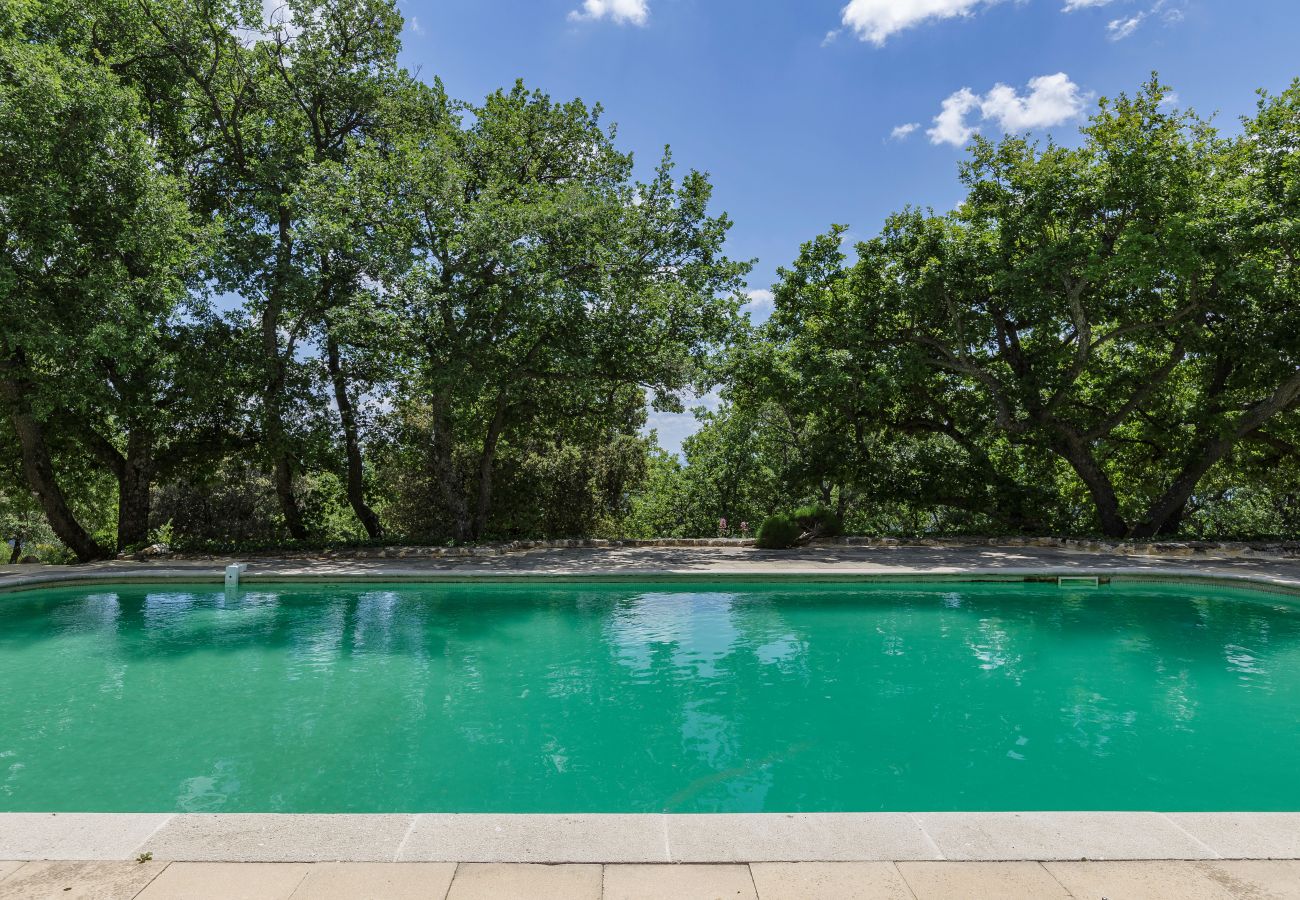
[(818, 520), (778, 532)]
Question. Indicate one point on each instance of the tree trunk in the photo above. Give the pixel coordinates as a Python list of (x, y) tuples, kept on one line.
[(133, 484), (486, 465), (443, 461), (1072, 447), (1171, 506), (17, 553), (356, 485), (39, 471), (272, 398)]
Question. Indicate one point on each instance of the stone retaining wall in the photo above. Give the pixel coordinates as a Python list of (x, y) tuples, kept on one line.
[(1209, 549)]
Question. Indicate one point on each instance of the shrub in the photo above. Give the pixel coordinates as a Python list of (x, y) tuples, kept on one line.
[(818, 520), (778, 532)]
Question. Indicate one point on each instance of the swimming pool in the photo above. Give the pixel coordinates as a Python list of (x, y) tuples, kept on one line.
[(697, 697)]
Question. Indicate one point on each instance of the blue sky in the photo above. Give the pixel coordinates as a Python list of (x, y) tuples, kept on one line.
[(791, 107)]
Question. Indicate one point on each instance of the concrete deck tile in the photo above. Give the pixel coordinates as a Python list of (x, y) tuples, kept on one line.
[(280, 838), (75, 836), (829, 881), (658, 882), (525, 881), (1244, 835), (981, 881), (376, 881), (1142, 880), (226, 881), (8, 868), (541, 839), (1059, 835), (79, 880), (1275, 879), (828, 837)]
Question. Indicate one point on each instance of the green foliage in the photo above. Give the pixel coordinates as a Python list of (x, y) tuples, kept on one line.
[(454, 316), (819, 520), (778, 532), (1093, 339)]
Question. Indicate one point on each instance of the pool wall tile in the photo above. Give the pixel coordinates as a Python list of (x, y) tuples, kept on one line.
[(77, 836), (818, 837), (536, 838), (238, 837), (1244, 835), (1060, 835)]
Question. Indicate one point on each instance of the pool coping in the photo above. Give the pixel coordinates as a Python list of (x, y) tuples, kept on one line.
[(649, 838), (699, 838), (396, 574)]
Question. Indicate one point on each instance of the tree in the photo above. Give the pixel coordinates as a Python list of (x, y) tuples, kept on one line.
[(1126, 306), (833, 408), (522, 277), (92, 265), (268, 101)]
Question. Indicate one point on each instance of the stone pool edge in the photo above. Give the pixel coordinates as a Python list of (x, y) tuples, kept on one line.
[(1205, 575), (703, 838)]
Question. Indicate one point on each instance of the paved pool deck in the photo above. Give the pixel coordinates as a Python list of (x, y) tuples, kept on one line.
[(871, 855), (155, 880), (684, 563)]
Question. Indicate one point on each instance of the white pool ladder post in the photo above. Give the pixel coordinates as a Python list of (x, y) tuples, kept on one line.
[(1078, 581), (232, 575)]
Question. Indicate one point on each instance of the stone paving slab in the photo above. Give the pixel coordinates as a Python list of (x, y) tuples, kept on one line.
[(226, 881), (654, 838), (981, 881), (525, 881), (1059, 835), (536, 838), (914, 880), (679, 882), (97, 880), (280, 838), (1275, 879), (1244, 836), (376, 881), (77, 836), (1153, 880), (820, 837), (830, 881)]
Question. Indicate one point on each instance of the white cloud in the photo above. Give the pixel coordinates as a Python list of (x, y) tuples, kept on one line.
[(1118, 29), (622, 12), (950, 125), (761, 303), (876, 20), (902, 132), (1072, 5), (1051, 100), (415, 25)]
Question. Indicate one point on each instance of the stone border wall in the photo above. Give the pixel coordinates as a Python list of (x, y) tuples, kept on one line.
[(1207, 549)]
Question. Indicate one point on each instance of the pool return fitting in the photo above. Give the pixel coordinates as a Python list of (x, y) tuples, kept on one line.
[(232, 575)]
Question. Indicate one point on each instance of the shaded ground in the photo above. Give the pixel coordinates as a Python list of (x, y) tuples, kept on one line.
[(651, 561)]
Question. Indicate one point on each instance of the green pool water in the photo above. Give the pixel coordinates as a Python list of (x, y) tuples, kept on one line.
[(648, 698)]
